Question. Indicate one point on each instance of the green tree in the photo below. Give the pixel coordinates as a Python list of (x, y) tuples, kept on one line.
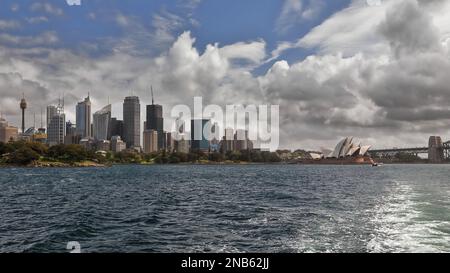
[(23, 156)]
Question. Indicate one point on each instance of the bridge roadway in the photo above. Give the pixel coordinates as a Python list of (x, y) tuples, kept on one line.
[(417, 150)]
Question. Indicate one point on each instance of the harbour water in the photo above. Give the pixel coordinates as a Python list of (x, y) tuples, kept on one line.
[(256, 208)]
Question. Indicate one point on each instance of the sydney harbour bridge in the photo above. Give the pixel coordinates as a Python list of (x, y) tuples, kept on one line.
[(437, 151)]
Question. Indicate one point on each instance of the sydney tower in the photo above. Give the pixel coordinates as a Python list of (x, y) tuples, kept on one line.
[(23, 106)]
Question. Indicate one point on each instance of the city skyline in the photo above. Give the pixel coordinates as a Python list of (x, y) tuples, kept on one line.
[(331, 81)]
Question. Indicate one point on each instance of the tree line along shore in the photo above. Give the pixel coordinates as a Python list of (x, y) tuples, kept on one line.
[(34, 154)]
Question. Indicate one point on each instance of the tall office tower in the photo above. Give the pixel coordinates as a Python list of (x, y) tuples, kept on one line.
[(227, 144), (199, 141), (132, 122), (7, 133), (51, 111), (150, 141), (23, 106), (241, 140), (102, 123), (57, 127), (83, 121), (71, 136), (169, 142), (116, 127), (182, 145), (155, 121)]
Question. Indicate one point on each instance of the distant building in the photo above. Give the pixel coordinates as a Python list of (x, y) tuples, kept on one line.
[(155, 121), (435, 150), (57, 129), (102, 121), (116, 127), (169, 142), (117, 145), (7, 133), (227, 144), (347, 148), (150, 141), (71, 134), (199, 141), (182, 145), (103, 145), (132, 122), (241, 140), (83, 115), (51, 111), (88, 143)]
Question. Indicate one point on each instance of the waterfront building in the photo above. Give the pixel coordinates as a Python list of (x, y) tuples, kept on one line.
[(169, 142), (71, 136), (132, 122), (241, 140), (150, 141), (116, 127), (88, 143), (155, 121), (228, 143), (7, 132), (102, 121), (182, 145), (51, 111), (83, 116), (199, 141), (347, 148), (117, 145), (435, 150), (104, 145), (57, 129)]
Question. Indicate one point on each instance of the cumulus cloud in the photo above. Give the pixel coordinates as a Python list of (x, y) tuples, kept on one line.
[(296, 11)]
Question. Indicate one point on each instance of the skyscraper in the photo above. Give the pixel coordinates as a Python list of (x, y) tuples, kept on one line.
[(57, 127), (102, 123), (71, 136), (227, 144), (7, 132), (51, 111), (155, 121), (84, 118), (199, 141), (150, 141), (116, 127), (132, 122), (241, 140)]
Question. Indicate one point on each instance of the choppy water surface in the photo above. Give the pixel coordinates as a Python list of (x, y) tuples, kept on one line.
[(227, 209)]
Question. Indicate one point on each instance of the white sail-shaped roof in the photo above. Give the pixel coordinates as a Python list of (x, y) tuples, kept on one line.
[(346, 147), (338, 149), (354, 150), (364, 150)]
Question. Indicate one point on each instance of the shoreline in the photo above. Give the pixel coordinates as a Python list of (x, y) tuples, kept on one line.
[(62, 165)]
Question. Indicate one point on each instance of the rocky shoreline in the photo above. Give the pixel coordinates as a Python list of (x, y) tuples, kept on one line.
[(40, 164)]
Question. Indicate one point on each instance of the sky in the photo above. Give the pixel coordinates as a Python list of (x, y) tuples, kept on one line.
[(378, 70)]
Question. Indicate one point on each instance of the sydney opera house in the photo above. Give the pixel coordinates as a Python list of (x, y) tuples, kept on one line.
[(347, 152)]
